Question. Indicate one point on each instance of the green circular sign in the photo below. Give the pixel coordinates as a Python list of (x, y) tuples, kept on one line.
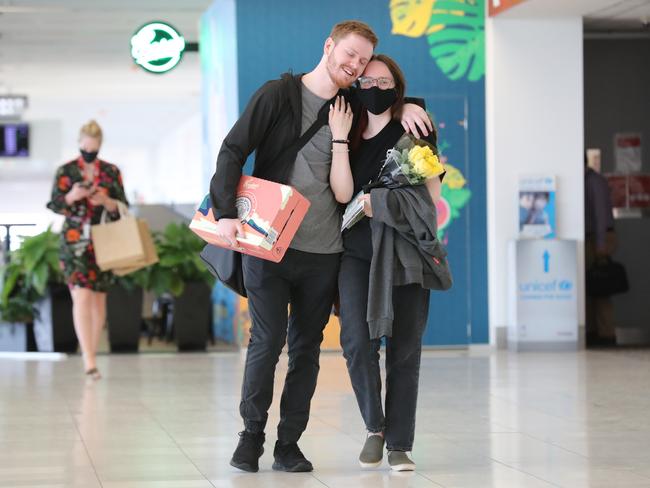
[(157, 47)]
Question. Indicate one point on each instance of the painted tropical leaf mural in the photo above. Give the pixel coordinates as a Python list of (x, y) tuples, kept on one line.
[(455, 31), (454, 197)]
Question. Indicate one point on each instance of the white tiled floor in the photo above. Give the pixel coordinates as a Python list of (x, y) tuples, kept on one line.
[(485, 420)]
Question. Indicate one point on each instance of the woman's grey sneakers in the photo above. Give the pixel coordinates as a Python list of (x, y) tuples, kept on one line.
[(399, 461), (372, 452)]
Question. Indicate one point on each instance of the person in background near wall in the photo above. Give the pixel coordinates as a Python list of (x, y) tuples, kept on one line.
[(600, 243), (83, 189)]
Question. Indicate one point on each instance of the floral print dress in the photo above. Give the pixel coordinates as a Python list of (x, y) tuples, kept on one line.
[(77, 253)]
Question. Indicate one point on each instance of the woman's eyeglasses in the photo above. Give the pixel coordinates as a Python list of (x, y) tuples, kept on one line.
[(366, 82)]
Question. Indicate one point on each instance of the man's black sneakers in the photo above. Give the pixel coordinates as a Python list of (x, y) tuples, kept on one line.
[(248, 452), (288, 457)]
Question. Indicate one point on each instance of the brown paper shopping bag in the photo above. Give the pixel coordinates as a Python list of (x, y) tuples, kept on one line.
[(117, 244), (150, 253)]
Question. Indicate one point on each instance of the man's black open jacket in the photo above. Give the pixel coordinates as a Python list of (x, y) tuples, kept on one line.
[(271, 122)]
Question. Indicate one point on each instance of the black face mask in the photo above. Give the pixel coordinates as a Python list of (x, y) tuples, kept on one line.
[(89, 157), (376, 100)]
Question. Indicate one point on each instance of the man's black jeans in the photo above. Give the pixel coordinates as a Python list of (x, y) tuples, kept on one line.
[(403, 351), (307, 283)]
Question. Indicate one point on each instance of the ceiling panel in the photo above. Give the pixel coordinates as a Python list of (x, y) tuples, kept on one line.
[(622, 15), (84, 33), (598, 14), (82, 46)]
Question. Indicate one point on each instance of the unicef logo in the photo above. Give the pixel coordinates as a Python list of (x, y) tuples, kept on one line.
[(543, 287), (157, 47)]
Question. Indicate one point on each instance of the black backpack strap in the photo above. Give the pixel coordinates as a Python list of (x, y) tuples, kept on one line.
[(290, 152), (298, 144)]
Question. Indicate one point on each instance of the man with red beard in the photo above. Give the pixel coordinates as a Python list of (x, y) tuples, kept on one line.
[(275, 117)]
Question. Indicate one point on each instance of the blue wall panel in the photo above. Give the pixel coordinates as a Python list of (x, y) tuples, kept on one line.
[(273, 37)]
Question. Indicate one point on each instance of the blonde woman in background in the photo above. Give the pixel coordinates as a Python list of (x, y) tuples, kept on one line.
[(83, 188)]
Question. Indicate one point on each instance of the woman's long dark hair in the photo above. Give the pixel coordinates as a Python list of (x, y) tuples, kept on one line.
[(395, 110)]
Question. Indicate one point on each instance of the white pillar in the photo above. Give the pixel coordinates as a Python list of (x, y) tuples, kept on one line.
[(535, 125)]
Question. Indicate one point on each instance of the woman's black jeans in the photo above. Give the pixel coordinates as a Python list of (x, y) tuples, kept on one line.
[(403, 351)]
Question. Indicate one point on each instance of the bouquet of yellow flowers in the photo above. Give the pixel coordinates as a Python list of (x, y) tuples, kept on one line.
[(411, 162)]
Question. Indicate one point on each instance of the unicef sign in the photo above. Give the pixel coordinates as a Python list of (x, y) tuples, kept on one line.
[(546, 290), (543, 295), (157, 47)]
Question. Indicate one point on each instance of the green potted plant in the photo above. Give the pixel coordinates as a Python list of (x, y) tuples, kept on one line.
[(124, 313), (16, 310), (33, 292), (181, 273)]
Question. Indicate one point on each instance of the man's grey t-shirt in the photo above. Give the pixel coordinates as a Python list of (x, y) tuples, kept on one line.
[(320, 230)]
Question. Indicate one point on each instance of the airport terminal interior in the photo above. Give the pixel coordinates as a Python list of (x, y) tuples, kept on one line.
[(130, 370)]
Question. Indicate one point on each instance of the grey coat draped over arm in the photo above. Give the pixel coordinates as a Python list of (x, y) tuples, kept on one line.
[(405, 250)]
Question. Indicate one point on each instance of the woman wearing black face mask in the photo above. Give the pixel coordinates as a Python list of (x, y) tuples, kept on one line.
[(381, 92), (83, 189)]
